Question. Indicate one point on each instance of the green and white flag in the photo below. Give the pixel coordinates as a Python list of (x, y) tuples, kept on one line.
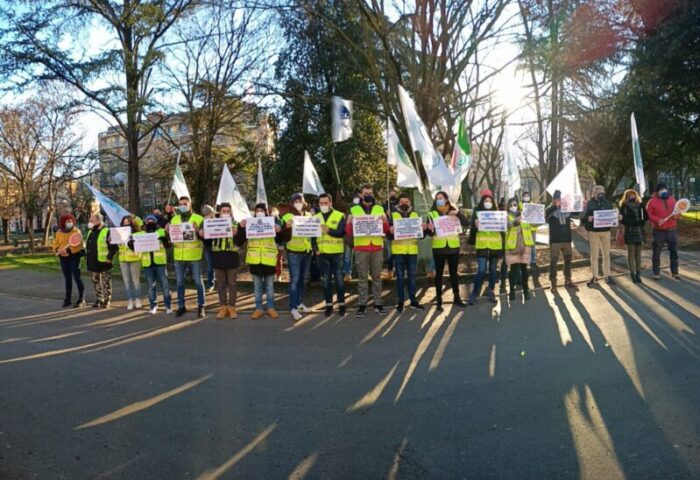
[(229, 193), (461, 155), (406, 175), (261, 193), (179, 185), (342, 119), (637, 154), (311, 183), (112, 209)]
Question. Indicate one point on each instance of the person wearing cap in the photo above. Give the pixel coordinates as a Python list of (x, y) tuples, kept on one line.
[(369, 252), (130, 266), (660, 209), (188, 254), (489, 248), (347, 257), (154, 265), (209, 212), (598, 238), (527, 198), (99, 253), (328, 250), (559, 241), (298, 256), (261, 256), (632, 219), (225, 260), (69, 256), (517, 245)]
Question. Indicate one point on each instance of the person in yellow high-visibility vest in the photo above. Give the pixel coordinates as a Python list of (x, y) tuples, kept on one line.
[(261, 257), (130, 266), (154, 265), (518, 242), (298, 256), (527, 198), (329, 252), (99, 253), (187, 253), (489, 246), (405, 255), (225, 262)]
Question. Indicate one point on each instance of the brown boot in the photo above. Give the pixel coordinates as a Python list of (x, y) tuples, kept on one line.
[(232, 312), (273, 313), (256, 314), (221, 313)]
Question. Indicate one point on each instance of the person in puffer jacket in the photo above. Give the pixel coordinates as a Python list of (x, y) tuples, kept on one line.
[(632, 219), (659, 210)]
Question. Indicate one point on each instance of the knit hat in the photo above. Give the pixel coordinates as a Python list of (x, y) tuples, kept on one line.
[(486, 193), (150, 217), (557, 195), (599, 189), (208, 210), (297, 196), (661, 186)]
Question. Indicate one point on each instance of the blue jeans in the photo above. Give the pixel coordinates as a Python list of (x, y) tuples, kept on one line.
[(347, 261), (389, 256), (298, 264), (482, 264), (156, 274), (258, 282), (180, 269), (131, 274), (331, 266), (661, 237), (70, 267), (210, 268), (405, 266)]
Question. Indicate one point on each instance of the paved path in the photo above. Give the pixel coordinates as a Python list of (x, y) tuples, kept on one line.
[(599, 384)]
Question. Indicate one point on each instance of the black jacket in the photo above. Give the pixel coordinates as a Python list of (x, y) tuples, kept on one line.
[(633, 218), (93, 264), (223, 257), (559, 225), (593, 205)]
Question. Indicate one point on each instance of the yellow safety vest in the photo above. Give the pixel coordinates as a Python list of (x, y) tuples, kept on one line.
[(224, 245), (297, 244), (102, 248), (408, 246), (188, 251), (328, 244), (512, 238), (358, 211), (160, 257), (127, 255), (451, 241), (532, 227), (490, 240), (261, 251)]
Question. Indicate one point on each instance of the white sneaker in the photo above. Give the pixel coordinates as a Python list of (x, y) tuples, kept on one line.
[(168, 311), (137, 303), (296, 315), (130, 305), (153, 310), (303, 308)]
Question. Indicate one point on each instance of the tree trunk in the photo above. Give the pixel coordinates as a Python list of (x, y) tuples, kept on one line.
[(30, 231), (6, 230), (47, 226)]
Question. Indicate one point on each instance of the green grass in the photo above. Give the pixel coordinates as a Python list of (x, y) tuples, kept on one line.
[(39, 261), (695, 215)]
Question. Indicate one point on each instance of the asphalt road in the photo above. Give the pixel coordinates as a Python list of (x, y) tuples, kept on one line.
[(599, 384)]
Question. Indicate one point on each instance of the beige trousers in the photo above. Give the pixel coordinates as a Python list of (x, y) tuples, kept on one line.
[(600, 241)]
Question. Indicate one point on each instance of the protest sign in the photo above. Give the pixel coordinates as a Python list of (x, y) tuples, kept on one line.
[(260, 227), (148, 242), (533, 213), (218, 228), (605, 218), (119, 235), (408, 228), (306, 227), (367, 226), (182, 232), (493, 221), (447, 225)]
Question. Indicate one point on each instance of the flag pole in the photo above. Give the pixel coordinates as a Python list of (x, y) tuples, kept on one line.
[(335, 167)]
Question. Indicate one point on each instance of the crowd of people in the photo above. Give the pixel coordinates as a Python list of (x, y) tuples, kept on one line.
[(335, 251)]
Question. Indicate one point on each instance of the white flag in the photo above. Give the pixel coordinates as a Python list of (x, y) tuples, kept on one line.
[(406, 175), (342, 119), (637, 155), (511, 173), (179, 185), (439, 175), (229, 193), (568, 184), (113, 210), (261, 194), (311, 183)]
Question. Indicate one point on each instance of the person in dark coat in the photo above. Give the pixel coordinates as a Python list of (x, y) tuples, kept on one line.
[(225, 260), (99, 253), (598, 237), (559, 241), (632, 218)]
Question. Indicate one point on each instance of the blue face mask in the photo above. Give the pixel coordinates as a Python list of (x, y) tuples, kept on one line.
[(440, 202), (664, 194)]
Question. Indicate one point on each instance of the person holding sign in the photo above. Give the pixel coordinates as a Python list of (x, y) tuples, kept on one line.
[(404, 253), (598, 236), (298, 256), (130, 265), (518, 242), (369, 251), (446, 246), (559, 241), (187, 252), (261, 257), (99, 253), (489, 245), (329, 252), (632, 218), (660, 210), (154, 265), (533, 227), (225, 262), (68, 245)]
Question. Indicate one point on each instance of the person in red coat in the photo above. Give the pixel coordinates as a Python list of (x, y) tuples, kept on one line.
[(659, 211)]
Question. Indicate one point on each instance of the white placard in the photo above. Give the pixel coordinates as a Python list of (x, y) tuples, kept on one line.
[(605, 218), (182, 232), (147, 242), (367, 226), (119, 235), (218, 228), (447, 225), (493, 221), (571, 203), (260, 227), (533, 213), (306, 227), (408, 228)]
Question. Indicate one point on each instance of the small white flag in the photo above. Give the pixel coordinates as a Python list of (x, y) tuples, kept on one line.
[(261, 194), (311, 183), (342, 119), (112, 209), (179, 185), (406, 175), (568, 184), (637, 155), (229, 193)]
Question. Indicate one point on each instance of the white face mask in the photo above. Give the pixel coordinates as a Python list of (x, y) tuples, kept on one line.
[(488, 205), (90, 224), (526, 199), (514, 209), (69, 225), (356, 201), (225, 215), (298, 205), (325, 208), (259, 214)]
